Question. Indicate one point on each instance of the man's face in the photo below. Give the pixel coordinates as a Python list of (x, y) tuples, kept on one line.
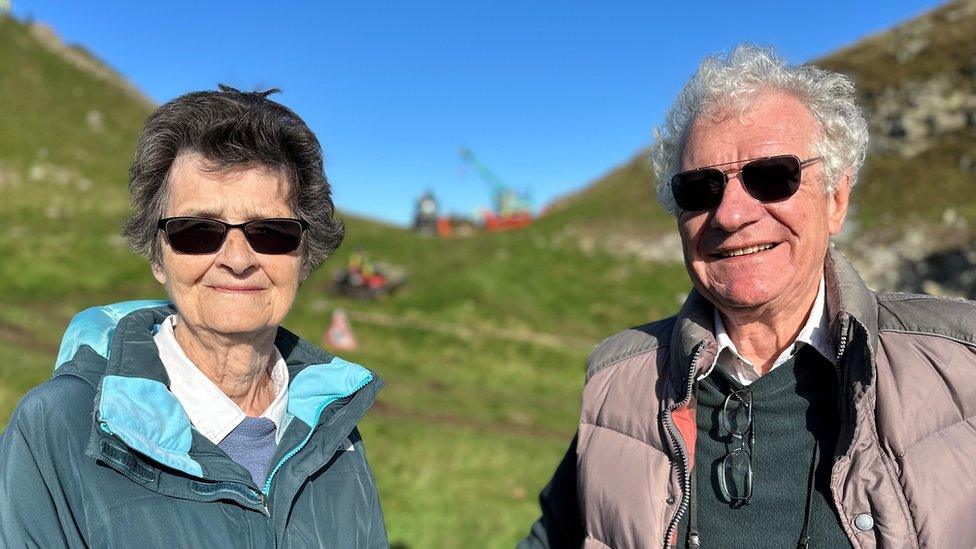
[(785, 276)]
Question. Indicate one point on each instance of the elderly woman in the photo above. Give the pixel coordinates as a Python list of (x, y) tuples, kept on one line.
[(203, 423)]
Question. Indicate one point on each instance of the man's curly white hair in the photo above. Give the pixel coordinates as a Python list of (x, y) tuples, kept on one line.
[(733, 81)]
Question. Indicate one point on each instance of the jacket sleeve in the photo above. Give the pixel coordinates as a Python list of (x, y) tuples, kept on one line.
[(560, 525), (28, 515)]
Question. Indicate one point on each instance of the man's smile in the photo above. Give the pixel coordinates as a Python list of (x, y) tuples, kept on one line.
[(743, 250)]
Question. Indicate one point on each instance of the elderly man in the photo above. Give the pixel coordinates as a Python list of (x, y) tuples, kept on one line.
[(786, 404)]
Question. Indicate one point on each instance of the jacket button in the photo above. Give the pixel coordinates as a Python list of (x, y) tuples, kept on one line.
[(671, 500), (864, 522)]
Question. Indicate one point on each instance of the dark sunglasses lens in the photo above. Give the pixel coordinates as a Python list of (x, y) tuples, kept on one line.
[(194, 236), (698, 190), (274, 236), (772, 179)]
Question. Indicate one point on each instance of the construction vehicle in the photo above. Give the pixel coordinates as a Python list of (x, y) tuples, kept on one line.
[(425, 214), (511, 209), (364, 278)]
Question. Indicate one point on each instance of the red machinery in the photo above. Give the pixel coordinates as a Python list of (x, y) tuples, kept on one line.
[(512, 210)]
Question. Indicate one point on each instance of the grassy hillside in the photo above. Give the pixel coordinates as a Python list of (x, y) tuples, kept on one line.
[(916, 83), (482, 352), (66, 136), (622, 201)]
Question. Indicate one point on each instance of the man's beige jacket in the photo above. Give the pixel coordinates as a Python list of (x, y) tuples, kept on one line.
[(904, 474)]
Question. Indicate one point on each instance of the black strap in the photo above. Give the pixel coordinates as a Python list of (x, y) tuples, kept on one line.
[(804, 542), (694, 540)]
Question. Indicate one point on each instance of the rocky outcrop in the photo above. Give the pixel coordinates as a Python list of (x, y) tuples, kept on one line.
[(936, 260), (84, 61), (907, 119), (918, 80)]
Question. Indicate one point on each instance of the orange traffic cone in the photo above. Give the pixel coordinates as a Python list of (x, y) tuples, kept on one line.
[(338, 336)]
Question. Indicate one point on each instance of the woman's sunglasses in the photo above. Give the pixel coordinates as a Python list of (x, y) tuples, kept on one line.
[(767, 179), (201, 235)]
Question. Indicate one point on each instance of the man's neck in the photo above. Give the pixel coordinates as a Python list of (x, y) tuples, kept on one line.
[(761, 334)]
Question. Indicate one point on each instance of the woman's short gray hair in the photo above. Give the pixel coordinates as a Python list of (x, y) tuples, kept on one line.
[(231, 129), (734, 81)]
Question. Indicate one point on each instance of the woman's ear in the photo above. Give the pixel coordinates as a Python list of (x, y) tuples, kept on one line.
[(158, 273)]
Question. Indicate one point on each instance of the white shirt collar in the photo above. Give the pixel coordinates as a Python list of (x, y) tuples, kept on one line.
[(815, 332), (211, 412)]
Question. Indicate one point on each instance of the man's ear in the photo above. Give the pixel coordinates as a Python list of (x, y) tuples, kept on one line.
[(838, 202)]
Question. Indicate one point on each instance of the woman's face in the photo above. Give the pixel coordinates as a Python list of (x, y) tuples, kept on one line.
[(234, 290)]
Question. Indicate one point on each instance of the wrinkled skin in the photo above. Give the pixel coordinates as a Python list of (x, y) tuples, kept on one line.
[(230, 302), (234, 291), (768, 293)]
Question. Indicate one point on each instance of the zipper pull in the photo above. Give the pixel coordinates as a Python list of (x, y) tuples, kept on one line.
[(264, 503)]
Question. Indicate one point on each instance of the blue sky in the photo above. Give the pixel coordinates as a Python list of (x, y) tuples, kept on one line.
[(549, 94)]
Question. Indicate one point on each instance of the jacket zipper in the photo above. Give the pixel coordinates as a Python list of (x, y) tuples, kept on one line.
[(315, 421), (682, 451), (264, 498), (845, 324)]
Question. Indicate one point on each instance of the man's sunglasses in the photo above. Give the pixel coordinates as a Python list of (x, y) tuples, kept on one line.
[(767, 179), (202, 235)]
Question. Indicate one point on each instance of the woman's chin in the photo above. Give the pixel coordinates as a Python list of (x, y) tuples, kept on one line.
[(238, 324)]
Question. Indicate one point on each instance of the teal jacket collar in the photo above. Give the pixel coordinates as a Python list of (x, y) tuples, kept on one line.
[(133, 401)]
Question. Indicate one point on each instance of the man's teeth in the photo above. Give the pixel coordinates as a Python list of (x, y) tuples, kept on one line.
[(746, 251)]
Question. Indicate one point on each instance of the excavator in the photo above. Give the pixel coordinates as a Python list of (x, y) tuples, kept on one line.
[(511, 209)]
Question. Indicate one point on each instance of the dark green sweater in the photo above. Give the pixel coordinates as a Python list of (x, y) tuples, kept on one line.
[(793, 406)]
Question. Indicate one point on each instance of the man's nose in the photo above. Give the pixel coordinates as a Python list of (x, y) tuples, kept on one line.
[(737, 208)]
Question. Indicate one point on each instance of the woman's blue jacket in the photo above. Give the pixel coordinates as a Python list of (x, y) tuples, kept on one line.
[(103, 455)]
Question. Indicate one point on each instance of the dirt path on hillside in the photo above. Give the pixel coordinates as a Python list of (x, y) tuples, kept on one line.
[(24, 338), (392, 411), (519, 336)]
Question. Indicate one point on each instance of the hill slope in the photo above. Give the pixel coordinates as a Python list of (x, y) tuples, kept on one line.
[(916, 199), (482, 351)]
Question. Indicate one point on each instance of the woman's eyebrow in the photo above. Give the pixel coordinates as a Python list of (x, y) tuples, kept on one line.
[(215, 214), (200, 212)]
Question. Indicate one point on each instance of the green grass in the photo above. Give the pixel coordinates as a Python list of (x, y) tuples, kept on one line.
[(468, 428), (896, 190), (470, 424), (479, 403), (468, 487)]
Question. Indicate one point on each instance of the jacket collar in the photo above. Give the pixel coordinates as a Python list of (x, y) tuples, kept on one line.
[(851, 306), (854, 322), (133, 402), (848, 296), (692, 343)]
